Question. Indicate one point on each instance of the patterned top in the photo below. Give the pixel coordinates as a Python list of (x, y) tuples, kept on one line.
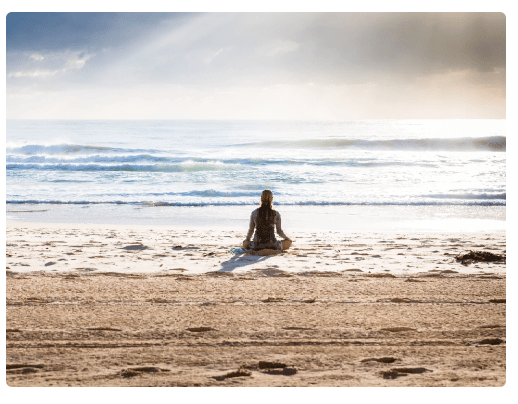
[(253, 225)]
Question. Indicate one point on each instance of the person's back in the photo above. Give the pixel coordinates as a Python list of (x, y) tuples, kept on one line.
[(265, 220), (265, 228)]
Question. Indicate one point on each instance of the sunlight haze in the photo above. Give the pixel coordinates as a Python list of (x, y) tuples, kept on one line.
[(316, 66)]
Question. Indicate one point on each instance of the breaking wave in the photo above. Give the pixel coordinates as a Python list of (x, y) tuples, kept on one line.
[(254, 203), (122, 167)]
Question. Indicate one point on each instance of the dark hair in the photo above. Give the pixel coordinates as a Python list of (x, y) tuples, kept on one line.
[(266, 211)]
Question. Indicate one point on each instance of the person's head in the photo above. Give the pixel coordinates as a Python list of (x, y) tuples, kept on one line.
[(267, 198)]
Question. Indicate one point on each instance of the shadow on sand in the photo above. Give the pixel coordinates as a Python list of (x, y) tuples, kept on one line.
[(240, 260)]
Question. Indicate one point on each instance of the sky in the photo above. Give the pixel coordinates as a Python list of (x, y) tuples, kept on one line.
[(309, 66)]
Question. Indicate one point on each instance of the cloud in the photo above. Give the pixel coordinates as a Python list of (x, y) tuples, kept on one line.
[(32, 73), (248, 65), (60, 61), (37, 57), (339, 48), (275, 48), (76, 61)]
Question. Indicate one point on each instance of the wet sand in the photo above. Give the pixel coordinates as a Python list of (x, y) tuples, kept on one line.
[(140, 306)]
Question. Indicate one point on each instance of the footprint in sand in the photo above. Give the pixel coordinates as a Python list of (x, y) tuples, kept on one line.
[(23, 370), (395, 373), (237, 373), (381, 360), (132, 372), (11, 366), (270, 365), (381, 276), (273, 300), (398, 329), (402, 300), (37, 300), (273, 368), (103, 329), (284, 371), (491, 341), (313, 300), (296, 328), (200, 329), (411, 370), (135, 247)]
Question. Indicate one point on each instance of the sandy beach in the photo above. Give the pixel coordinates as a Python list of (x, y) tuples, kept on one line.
[(142, 148), (108, 305)]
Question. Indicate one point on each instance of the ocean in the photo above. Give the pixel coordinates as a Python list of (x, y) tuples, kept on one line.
[(181, 172)]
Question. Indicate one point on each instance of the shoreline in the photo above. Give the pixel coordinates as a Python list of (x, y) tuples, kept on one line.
[(356, 218), (81, 248)]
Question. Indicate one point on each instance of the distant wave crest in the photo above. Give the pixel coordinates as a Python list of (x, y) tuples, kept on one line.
[(489, 143), (121, 167), (31, 149), (254, 203), (470, 196), (148, 162)]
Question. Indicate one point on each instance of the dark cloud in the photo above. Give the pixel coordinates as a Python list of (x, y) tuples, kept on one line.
[(49, 32), (221, 49), (352, 47), (341, 48), (431, 41)]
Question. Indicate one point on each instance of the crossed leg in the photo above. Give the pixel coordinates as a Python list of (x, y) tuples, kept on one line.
[(285, 244)]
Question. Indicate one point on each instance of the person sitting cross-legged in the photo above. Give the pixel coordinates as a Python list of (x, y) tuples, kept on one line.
[(265, 221)]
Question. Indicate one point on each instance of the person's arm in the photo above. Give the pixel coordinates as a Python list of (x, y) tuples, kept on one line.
[(279, 228), (251, 227)]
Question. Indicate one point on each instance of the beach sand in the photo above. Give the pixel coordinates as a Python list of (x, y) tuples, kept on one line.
[(107, 305)]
